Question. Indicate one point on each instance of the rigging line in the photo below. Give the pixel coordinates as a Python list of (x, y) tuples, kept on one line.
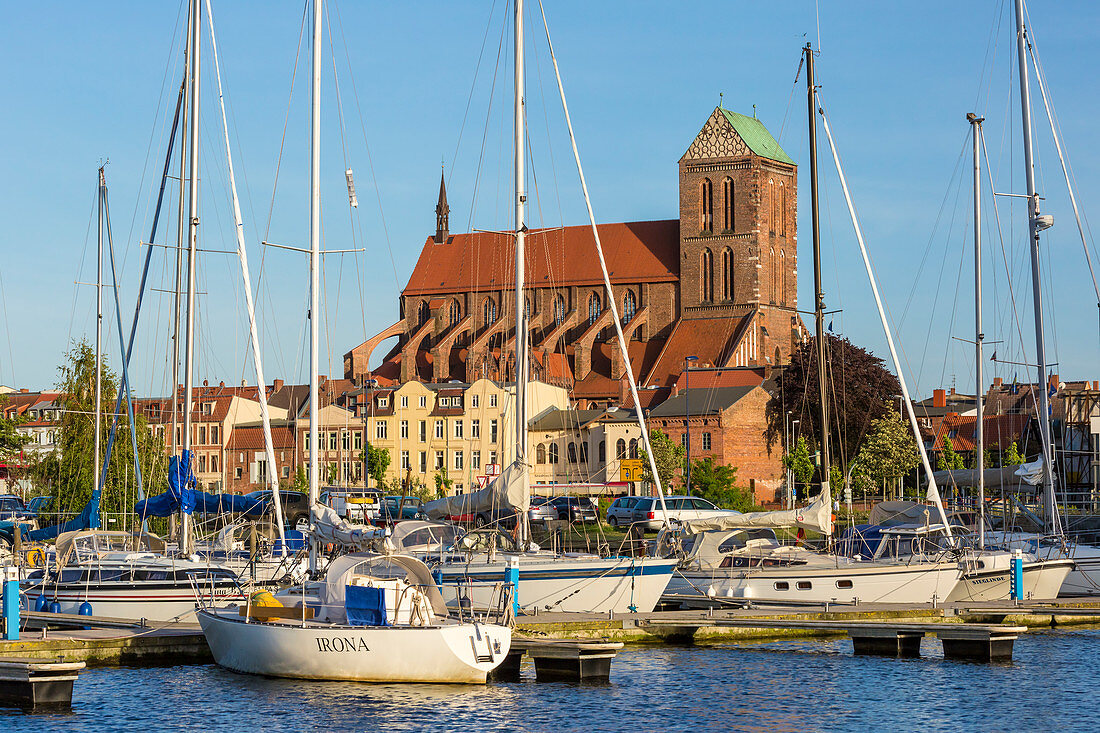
[(80, 268), (488, 113), (790, 99), (286, 122), (473, 83)]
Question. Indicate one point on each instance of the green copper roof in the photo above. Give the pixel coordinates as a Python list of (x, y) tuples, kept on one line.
[(757, 137)]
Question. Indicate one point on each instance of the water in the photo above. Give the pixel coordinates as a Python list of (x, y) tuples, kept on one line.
[(783, 686)]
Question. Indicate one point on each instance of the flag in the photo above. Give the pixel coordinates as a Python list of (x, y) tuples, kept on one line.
[(994, 357), (830, 327)]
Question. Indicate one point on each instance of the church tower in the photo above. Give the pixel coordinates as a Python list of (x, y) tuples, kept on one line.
[(442, 213), (738, 243)]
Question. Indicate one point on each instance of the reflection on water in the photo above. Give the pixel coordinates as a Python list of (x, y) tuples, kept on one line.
[(781, 686)]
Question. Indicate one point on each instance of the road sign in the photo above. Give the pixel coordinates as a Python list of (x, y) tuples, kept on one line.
[(482, 481), (630, 469)]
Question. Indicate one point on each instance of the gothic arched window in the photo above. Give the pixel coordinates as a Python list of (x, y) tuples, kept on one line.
[(728, 220), (540, 453), (633, 447), (572, 452), (489, 311), (727, 274), (559, 309), (781, 227), (706, 206), (706, 274), (422, 313), (630, 306), (602, 452), (553, 453), (620, 449), (456, 311), (782, 277), (594, 308)]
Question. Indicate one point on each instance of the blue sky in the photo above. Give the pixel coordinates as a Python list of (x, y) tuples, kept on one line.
[(87, 82)]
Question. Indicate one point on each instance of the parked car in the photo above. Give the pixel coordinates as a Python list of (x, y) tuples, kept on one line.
[(648, 514), (12, 507), (396, 508), (37, 504), (541, 511), (361, 506), (621, 511), (295, 506), (575, 509), (500, 518)]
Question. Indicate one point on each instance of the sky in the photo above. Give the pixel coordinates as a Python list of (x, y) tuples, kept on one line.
[(410, 86)]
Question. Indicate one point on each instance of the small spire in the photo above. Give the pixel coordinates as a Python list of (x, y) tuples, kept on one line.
[(719, 100), (442, 210), (754, 111)]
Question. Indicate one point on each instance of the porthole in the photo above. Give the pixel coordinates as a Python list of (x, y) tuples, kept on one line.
[(782, 585), (844, 584), (804, 585)]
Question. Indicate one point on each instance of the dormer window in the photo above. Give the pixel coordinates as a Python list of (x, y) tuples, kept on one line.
[(383, 401)]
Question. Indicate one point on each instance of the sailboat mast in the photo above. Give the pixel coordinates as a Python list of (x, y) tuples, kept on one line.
[(314, 262), (99, 323), (1033, 225), (521, 231), (819, 295), (979, 336), (192, 244)]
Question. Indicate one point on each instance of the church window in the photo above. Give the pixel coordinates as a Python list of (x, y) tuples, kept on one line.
[(782, 277), (633, 447), (456, 312), (706, 274), (630, 306), (489, 311), (775, 274), (602, 452), (727, 205), (781, 227), (540, 453), (422, 313), (552, 456), (620, 449), (559, 310), (707, 207), (727, 274), (773, 201), (594, 308), (572, 452)]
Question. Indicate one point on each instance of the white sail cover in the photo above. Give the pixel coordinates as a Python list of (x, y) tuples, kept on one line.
[(507, 492), (901, 512), (816, 516), (328, 526), (1033, 472)]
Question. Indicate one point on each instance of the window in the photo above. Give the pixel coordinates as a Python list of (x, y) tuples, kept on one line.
[(727, 274), (706, 207), (237, 473), (540, 453), (594, 308), (684, 439), (706, 275), (782, 214), (214, 434), (404, 401), (405, 429), (602, 452), (633, 447), (584, 452), (458, 429), (345, 440), (423, 401), (208, 408), (286, 471), (444, 401), (630, 306), (706, 441), (475, 400), (559, 309), (475, 460), (571, 452), (782, 277), (214, 463), (202, 464), (775, 274), (492, 400), (423, 461), (727, 204), (492, 431), (620, 449), (458, 460), (804, 585), (493, 457), (380, 429), (423, 431), (844, 584), (782, 585), (439, 429), (439, 460), (553, 453), (383, 401), (357, 440), (202, 435), (489, 311), (422, 313), (404, 460), (332, 438), (475, 428), (455, 312), (774, 201)]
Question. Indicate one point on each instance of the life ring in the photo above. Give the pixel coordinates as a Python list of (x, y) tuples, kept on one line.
[(36, 557)]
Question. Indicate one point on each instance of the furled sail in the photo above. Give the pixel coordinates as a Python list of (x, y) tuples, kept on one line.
[(817, 516), (328, 526), (507, 492)]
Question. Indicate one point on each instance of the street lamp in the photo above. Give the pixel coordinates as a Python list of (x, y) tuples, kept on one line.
[(687, 417)]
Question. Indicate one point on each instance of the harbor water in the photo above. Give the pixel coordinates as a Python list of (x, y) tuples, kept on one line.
[(794, 685)]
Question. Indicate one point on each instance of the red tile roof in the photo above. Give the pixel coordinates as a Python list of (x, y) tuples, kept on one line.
[(710, 339), (251, 438), (1000, 431), (635, 251)]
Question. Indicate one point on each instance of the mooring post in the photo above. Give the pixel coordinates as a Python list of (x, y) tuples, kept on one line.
[(11, 603), (511, 576), (1017, 584)]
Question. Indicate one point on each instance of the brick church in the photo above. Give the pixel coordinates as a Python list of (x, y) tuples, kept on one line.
[(719, 283)]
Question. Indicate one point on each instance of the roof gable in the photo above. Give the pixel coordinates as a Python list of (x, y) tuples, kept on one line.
[(728, 134)]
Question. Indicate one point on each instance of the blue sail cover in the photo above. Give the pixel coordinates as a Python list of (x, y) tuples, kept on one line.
[(87, 519), (182, 495)]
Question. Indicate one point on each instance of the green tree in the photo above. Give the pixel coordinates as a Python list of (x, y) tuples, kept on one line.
[(70, 472), (799, 462), (443, 482), (1012, 456), (301, 481), (716, 482), (12, 442), (948, 459), (378, 462), (667, 454), (889, 452)]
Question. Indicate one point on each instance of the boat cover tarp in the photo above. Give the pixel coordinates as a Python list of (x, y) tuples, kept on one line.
[(365, 606), (816, 516), (507, 492), (87, 519), (182, 496), (328, 526), (893, 513), (1009, 477), (860, 541), (409, 569)]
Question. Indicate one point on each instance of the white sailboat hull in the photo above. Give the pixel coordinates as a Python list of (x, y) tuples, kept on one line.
[(174, 603), (1042, 580), (449, 653), (582, 584), (851, 583)]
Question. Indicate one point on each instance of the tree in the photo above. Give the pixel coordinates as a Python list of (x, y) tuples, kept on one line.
[(301, 481), (860, 391), (716, 482), (948, 459), (889, 452), (667, 454), (1012, 456), (443, 483), (378, 462), (11, 442), (799, 462), (70, 471)]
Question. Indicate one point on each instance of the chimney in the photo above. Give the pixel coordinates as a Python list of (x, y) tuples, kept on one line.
[(939, 398), (1053, 381), (221, 385), (24, 390), (277, 385), (998, 382)]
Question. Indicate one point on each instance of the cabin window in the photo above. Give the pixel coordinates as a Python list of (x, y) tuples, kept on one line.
[(782, 585), (804, 585), (844, 584)]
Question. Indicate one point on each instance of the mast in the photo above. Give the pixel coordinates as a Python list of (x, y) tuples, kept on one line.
[(521, 231), (314, 263), (192, 242), (1035, 224), (979, 337), (819, 295), (99, 320)]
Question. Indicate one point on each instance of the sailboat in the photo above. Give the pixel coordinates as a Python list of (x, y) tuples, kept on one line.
[(369, 618)]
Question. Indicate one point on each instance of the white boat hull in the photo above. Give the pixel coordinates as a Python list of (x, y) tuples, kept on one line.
[(851, 583), (449, 653), (1042, 580), (176, 603), (582, 584)]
